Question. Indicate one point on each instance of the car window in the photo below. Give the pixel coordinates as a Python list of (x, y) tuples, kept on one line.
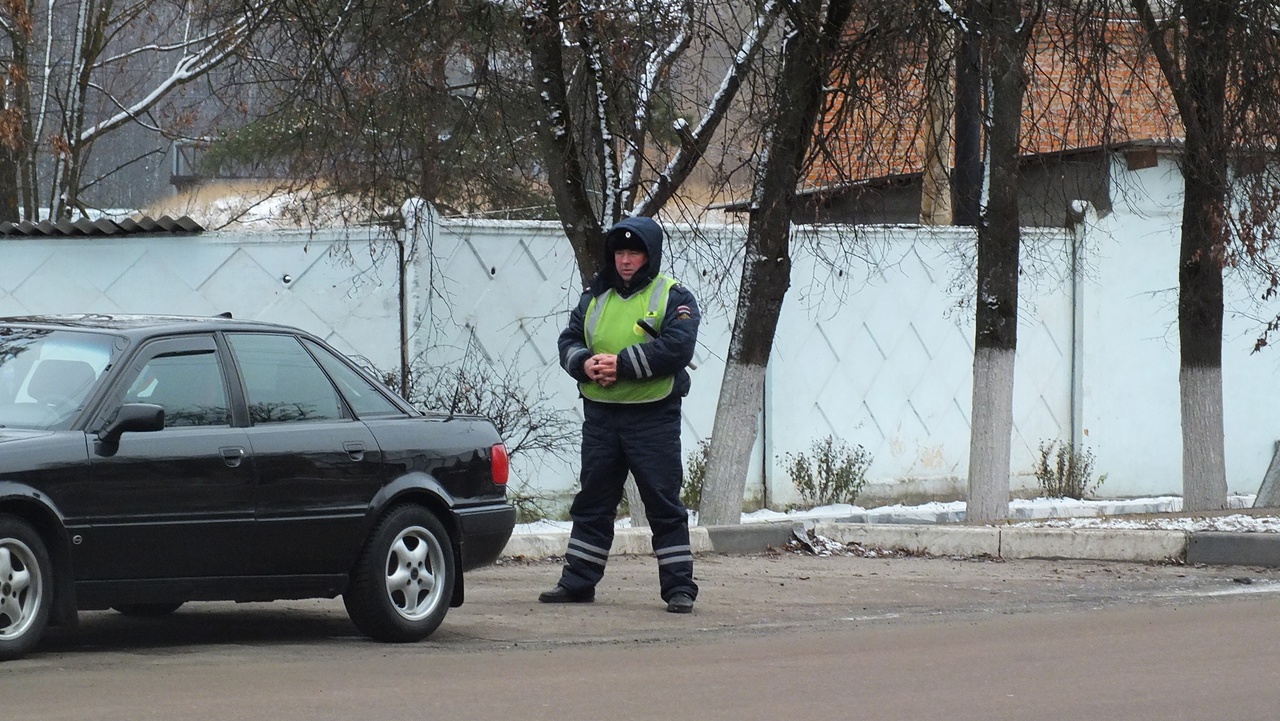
[(283, 382), (47, 376), (363, 397), (187, 383)]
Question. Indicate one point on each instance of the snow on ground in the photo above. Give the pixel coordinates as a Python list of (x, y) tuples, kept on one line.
[(1038, 513), (1235, 522)]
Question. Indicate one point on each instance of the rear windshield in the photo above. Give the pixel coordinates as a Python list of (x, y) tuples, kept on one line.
[(47, 376)]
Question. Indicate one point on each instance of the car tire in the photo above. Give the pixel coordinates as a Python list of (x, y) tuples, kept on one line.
[(26, 587), (147, 610), (403, 582)]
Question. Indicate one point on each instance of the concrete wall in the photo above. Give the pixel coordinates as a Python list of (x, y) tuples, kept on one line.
[(338, 285), (874, 345), (1130, 340)]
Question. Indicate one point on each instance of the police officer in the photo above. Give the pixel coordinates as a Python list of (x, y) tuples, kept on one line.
[(627, 344)]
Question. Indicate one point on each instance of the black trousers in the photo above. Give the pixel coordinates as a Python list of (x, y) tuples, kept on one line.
[(645, 440)]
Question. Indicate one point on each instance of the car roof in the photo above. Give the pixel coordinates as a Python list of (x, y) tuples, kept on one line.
[(141, 325)]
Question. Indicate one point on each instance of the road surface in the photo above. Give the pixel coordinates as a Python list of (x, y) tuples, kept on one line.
[(773, 637)]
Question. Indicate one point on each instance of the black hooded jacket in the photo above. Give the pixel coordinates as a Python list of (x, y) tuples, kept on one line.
[(666, 355)]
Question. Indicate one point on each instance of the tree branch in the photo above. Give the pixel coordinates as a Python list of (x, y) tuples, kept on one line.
[(590, 44), (658, 62), (189, 67), (695, 143), (564, 166)]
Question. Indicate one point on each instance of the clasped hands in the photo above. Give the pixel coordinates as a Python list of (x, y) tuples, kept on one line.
[(602, 368)]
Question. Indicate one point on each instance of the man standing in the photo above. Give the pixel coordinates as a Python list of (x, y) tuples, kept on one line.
[(627, 344)]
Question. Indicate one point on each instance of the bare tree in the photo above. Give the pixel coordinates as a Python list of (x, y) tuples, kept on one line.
[(364, 103), (608, 74), (1221, 62), (873, 69), (78, 71), (992, 38), (1007, 30), (615, 137), (814, 32)]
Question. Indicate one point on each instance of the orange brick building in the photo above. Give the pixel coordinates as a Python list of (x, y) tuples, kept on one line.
[(1086, 103)]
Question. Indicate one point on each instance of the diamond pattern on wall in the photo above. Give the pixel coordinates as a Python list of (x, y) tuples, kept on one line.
[(902, 384), (329, 293), (887, 364)]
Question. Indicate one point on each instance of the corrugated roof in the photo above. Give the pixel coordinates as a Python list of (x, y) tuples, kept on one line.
[(102, 226)]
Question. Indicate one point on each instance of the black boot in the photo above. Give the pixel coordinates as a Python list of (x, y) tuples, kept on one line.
[(680, 603), (560, 594)]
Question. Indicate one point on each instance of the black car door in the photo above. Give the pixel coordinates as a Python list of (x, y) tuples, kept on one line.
[(174, 503), (318, 467)]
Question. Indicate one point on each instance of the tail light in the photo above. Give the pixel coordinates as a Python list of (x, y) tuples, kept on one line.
[(499, 464)]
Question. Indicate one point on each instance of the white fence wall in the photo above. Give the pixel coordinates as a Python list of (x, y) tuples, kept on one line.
[(506, 289), (874, 346), (878, 355), (890, 367), (340, 286), (1129, 304)]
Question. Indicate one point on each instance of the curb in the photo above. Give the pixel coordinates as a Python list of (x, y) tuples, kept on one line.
[(1209, 548), (1234, 549), (1092, 544)]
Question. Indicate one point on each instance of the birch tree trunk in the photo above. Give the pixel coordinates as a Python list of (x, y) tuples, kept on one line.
[(638, 517), (765, 279), (996, 332), (1204, 231), (565, 172), (1200, 311), (565, 146), (766, 265), (1197, 72), (1204, 478)]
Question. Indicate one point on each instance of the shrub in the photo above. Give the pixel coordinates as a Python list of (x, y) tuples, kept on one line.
[(836, 473), (695, 475), (1068, 473), (521, 409), (532, 505)]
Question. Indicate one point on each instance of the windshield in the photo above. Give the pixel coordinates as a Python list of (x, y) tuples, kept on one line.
[(47, 376)]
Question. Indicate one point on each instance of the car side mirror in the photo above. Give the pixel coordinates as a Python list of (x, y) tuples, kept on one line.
[(140, 417)]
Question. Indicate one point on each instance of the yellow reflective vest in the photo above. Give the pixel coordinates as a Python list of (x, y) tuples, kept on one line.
[(612, 324)]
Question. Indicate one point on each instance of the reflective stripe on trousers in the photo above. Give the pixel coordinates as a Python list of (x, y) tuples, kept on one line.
[(645, 440)]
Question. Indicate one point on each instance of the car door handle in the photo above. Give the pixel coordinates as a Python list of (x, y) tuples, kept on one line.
[(232, 455), (355, 449)]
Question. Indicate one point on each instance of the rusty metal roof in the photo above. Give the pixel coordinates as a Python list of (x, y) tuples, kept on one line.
[(102, 226)]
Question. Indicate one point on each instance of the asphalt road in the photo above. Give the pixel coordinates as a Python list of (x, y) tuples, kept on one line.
[(772, 637)]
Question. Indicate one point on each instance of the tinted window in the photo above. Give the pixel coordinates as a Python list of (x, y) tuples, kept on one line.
[(361, 394), (47, 376), (283, 382), (187, 383)]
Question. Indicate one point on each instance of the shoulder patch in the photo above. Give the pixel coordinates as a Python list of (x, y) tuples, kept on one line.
[(683, 312)]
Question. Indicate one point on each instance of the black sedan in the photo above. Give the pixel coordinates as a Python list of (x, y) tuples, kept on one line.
[(150, 461)]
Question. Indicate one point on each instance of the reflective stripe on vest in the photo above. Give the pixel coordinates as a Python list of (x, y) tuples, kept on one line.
[(612, 325)]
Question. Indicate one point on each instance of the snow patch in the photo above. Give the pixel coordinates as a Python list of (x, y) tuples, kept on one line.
[(1034, 513)]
